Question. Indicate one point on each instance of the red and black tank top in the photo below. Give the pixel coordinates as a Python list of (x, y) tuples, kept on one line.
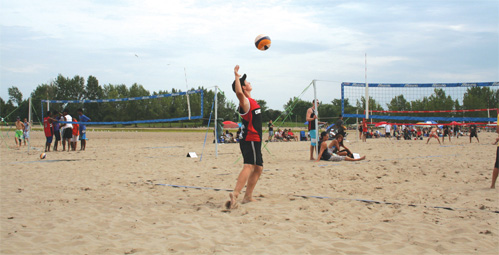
[(251, 129)]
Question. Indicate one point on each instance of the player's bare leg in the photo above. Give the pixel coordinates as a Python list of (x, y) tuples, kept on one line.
[(253, 179), (241, 181)]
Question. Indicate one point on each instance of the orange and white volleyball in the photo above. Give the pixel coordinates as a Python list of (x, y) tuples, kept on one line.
[(262, 42)]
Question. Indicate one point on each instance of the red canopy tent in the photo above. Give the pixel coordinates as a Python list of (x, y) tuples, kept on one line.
[(230, 124)]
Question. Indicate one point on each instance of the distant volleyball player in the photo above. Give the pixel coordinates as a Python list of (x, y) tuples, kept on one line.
[(250, 140)]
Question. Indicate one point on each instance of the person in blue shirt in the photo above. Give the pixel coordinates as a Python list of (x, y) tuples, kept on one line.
[(83, 128)]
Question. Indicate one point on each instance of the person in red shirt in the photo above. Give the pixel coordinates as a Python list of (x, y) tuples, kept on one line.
[(76, 133), (47, 128), (250, 140), (364, 130)]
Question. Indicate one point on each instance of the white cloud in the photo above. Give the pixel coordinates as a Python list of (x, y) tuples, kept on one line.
[(405, 42)]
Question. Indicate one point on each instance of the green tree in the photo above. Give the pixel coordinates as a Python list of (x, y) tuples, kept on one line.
[(15, 95), (7, 108), (43, 92), (480, 98), (298, 107), (399, 103), (373, 105), (93, 91)]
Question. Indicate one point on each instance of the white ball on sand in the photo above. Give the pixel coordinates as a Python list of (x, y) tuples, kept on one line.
[(43, 155)]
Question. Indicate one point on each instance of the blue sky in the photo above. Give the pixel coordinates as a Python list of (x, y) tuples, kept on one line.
[(405, 41)]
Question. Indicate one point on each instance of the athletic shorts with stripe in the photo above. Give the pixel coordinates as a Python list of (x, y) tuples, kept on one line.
[(252, 152)]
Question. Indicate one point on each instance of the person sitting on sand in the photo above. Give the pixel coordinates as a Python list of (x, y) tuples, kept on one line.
[(335, 145), (324, 153), (292, 136), (433, 133)]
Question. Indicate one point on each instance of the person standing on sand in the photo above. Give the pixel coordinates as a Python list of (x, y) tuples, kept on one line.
[(250, 140), (433, 133), (312, 129), (271, 130), (496, 165), (83, 129), (19, 131), (26, 131), (67, 130), (446, 133), (473, 132)]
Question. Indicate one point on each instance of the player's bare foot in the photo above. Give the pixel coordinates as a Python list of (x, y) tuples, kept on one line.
[(248, 200), (232, 203)]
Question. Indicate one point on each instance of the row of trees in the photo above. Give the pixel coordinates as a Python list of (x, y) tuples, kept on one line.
[(76, 88)]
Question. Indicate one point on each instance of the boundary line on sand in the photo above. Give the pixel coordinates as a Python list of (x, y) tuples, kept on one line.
[(347, 199)]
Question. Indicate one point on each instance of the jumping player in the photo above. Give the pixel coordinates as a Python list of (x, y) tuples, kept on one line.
[(250, 140)]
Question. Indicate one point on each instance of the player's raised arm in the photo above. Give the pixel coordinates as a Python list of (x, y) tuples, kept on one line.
[(243, 102)]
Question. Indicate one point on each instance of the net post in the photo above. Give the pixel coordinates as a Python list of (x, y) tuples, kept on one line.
[(316, 120), (488, 114), (41, 103), (357, 122), (367, 89), (342, 99), (187, 94), (216, 122), (29, 119)]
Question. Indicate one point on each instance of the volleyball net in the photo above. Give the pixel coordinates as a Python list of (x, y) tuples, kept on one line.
[(162, 108), (428, 102)]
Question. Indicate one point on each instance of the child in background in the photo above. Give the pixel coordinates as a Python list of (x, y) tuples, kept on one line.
[(48, 129), (57, 132), (76, 132)]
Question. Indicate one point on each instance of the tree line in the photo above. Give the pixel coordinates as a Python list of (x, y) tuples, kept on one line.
[(77, 88)]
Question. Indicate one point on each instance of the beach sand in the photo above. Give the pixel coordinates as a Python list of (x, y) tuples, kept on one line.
[(106, 200)]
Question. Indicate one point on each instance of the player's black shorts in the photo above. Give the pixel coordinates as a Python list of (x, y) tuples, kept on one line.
[(473, 134), (68, 133), (446, 132), (252, 152), (57, 135), (497, 158)]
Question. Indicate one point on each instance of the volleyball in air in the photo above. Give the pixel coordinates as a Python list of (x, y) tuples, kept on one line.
[(43, 155), (262, 42)]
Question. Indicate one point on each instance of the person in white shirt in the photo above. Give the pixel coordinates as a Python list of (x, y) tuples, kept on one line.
[(67, 130), (387, 130)]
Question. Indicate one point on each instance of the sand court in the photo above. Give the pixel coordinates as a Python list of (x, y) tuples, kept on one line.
[(138, 193)]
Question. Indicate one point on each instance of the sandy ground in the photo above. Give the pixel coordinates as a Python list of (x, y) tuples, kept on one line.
[(106, 200)]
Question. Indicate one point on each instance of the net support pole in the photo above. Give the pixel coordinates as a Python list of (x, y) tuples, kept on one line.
[(187, 94), (357, 122), (29, 119), (316, 120), (488, 114), (216, 122), (367, 88)]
